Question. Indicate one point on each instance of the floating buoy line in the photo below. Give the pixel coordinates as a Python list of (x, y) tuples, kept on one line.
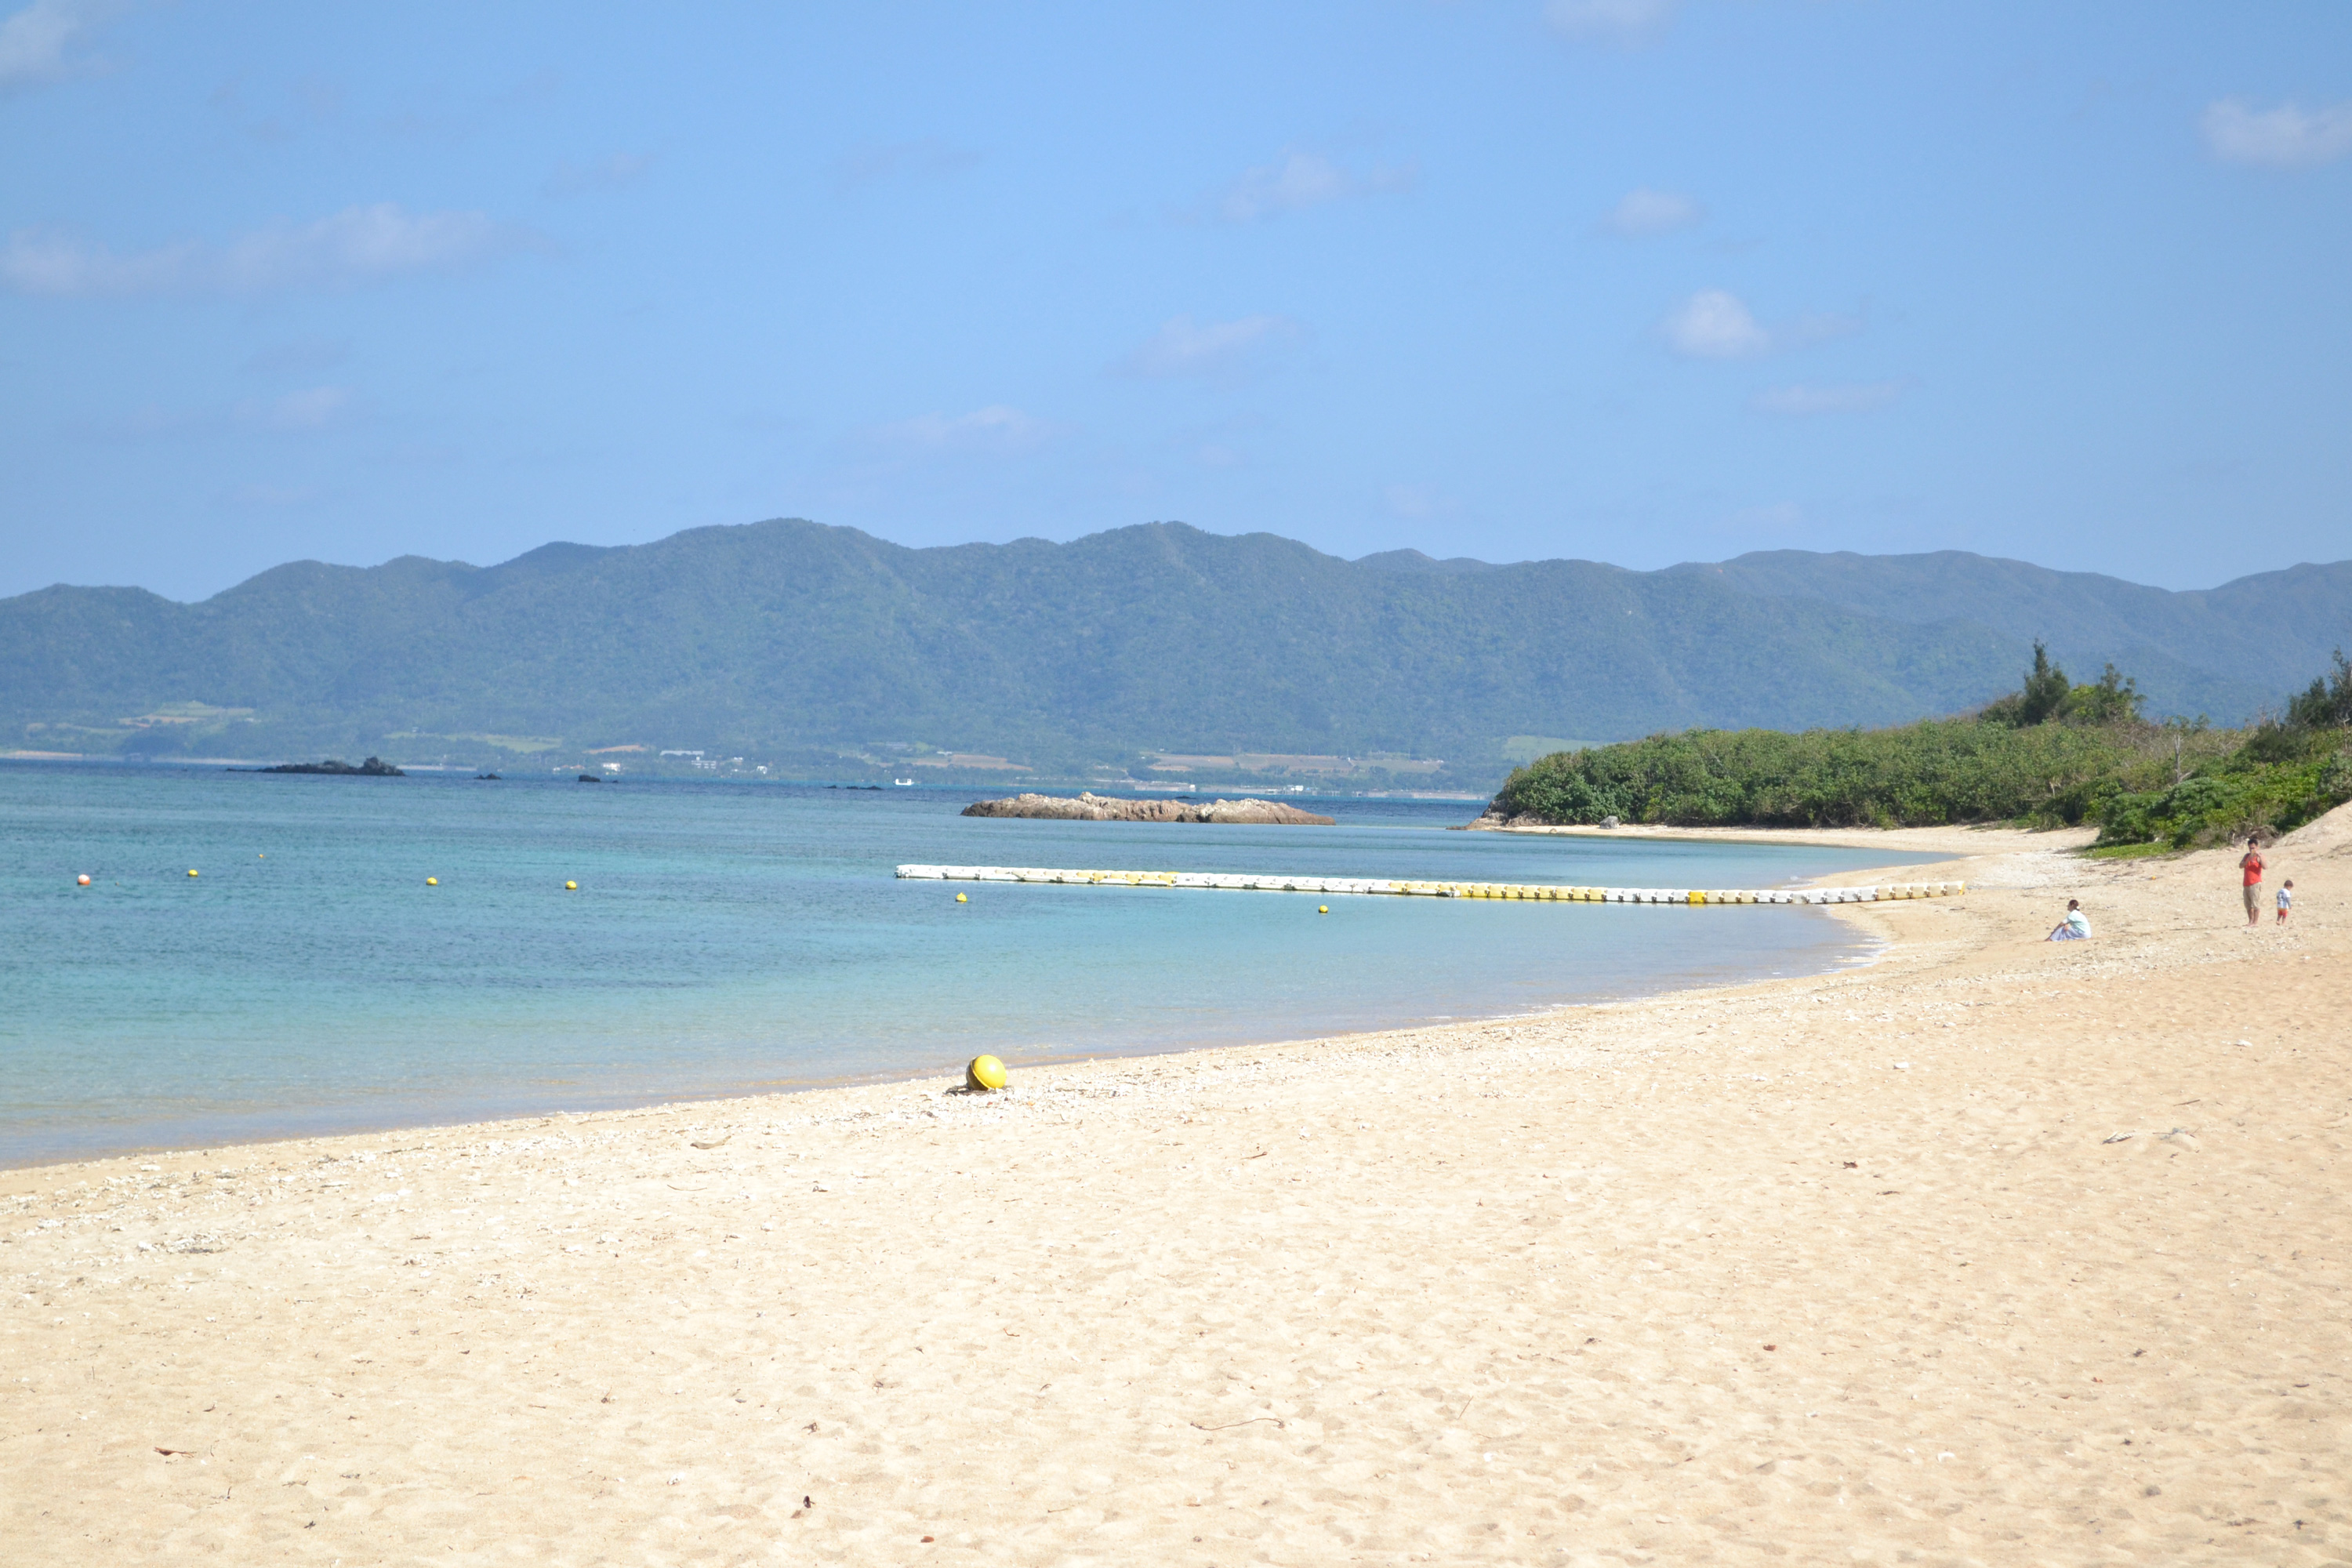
[(1541, 892)]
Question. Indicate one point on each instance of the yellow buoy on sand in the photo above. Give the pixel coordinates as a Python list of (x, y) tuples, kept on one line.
[(961, 900), (985, 1073), (571, 887)]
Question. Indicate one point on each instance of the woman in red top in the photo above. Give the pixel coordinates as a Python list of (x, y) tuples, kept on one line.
[(2253, 867)]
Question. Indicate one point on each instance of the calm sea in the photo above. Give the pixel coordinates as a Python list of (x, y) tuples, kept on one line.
[(732, 937)]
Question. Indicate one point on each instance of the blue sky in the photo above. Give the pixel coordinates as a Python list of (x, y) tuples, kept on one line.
[(1626, 279)]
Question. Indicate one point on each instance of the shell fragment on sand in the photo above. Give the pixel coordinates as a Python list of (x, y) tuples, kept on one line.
[(1541, 892)]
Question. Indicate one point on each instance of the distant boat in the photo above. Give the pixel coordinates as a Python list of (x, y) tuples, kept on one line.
[(904, 784)]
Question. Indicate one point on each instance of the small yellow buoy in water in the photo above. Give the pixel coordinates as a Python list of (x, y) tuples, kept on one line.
[(986, 1072), (961, 899), (1322, 909), (431, 881), (192, 870), (571, 887), (82, 881)]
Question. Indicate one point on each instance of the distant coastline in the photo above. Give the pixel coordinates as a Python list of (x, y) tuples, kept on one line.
[(1506, 662)]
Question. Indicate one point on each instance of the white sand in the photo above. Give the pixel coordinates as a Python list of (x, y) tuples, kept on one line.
[(1993, 1252)]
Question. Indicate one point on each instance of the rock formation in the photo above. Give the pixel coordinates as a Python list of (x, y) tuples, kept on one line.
[(1091, 807), (1494, 817)]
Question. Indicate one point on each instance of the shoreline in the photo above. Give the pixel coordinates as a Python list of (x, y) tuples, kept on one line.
[(1804, 1266), (1859, 950), (391, 1108)]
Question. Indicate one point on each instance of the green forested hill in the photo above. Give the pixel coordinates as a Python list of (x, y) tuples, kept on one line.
[(797, 641)]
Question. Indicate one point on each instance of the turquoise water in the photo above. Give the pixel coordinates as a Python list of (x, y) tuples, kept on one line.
[(729, 937)]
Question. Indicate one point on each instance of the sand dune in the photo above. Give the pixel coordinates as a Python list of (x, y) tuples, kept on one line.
[(2330, 838), (1994, 1251)]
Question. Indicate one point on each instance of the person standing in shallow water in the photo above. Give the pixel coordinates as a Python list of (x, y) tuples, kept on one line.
[(2252, 865)]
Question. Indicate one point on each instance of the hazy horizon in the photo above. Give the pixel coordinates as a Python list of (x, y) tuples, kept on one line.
[(1631, 280)]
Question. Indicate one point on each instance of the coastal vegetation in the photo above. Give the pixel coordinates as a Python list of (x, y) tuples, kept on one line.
[(2051, 752)]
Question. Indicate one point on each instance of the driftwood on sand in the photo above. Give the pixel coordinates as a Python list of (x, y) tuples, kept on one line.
[(1091, 807)]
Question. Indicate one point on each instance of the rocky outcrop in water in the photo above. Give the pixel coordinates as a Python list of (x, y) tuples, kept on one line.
[(373, 768), (1091, 807)]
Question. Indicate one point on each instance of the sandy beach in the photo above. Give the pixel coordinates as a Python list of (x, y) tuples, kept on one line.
[(1990, 1251)]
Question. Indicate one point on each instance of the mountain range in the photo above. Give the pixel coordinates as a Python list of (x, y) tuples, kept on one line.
[(827, 652)]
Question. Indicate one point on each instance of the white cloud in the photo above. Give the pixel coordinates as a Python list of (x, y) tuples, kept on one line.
[(1218, 350), (1714, 324), (1652, 212), (39, 263), (609, 174), (358, 245), (995, 429), (33, 41), (1302, 179), (1621, 22), (2282, 138), (1848, 397)]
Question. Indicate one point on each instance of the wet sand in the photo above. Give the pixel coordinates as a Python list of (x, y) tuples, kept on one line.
[(1993, 1251)]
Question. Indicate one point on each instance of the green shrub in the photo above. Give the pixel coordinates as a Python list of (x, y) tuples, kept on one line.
[(2050, 754), (2279, 778), (1942, 770), (2336, 776)]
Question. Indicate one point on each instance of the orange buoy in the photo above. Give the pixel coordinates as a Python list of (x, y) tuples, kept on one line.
[(81, 881)]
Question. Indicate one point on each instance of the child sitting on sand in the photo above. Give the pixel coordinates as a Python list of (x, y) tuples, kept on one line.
[(2286, 900), (2075, 927)]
